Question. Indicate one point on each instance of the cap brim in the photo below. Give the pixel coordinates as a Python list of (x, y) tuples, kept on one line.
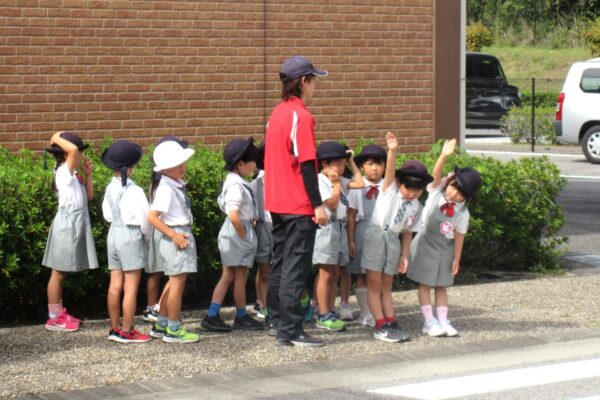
[(185, 155), (319, 72), (424, 176), (362, 157)]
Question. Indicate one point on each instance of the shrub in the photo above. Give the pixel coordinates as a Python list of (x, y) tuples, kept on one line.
[(517, 125), (478, 36), (592, 37)]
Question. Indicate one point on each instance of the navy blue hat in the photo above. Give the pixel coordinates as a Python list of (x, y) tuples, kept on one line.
[(374, 151), (71, 137), (331, 151), (416, 169), (297, 66), (239, 149), (122, 155), (469, 181)]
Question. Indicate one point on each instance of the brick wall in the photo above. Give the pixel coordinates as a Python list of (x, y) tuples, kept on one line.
[(196, 69)]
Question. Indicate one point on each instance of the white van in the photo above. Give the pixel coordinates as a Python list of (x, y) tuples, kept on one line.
[(578, 108)]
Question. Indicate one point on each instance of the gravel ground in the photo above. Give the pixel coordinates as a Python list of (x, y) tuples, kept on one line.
[(35, 361)]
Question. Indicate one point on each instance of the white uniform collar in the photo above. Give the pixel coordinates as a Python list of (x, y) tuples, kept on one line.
[(117, 180), (368, 183), (235, 178), (177, 183)]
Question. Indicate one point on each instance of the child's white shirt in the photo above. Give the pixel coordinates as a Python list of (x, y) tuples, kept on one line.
[(436, 198), (254, 187), (386, 209), (355, 197), (326, 190), (70, 195), (236, 195), (167, 202), (133, 206)]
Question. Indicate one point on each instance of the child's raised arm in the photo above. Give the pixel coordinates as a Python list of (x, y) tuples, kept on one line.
[(69, 148), (447, 150), (390, 165), (358, 182)]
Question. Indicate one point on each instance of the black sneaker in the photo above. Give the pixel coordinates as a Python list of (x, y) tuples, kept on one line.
[(247, 323), (404, 336), (271, 327), (304, 339), (387, 334), (284, 342), (215, 324)]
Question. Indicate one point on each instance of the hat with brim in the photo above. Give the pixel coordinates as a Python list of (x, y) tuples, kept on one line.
[(170, 154), (416, 169), (122, 154), (239, 149), (71, 137), (331, 151), (373, 151), (183, 143), (469, 181), (297, 66)]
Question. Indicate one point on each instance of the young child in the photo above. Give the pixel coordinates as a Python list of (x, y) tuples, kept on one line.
[(396, 212), (70, 246), (436, 250), (263, 228), (125, 206), (361, 204), (237, 239), (171, 216), (331, 242)]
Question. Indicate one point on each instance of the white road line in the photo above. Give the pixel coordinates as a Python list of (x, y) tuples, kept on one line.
[(495, 381), (523, 153), (589, 398), (581, 177)]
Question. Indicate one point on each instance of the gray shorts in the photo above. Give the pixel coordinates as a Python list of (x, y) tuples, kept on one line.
[(154, 263), (381, 251), (264, 249), (126, 248), (354, 266), (331, 244), (177, 261), (235, 251)]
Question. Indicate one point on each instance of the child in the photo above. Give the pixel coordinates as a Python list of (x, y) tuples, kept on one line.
[(331, 242), (126, 208), (361, 204), (396, 211), (171, 216), (237, 240), (436, 251), (263, 228), (70, 246)]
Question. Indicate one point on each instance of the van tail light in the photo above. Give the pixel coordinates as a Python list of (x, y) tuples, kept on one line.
[(559, 107)]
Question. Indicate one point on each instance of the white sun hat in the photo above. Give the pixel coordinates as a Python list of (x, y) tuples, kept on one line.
[(170, 154)]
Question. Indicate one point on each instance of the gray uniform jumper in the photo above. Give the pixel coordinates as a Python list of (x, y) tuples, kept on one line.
[(263, 228), (70, 245), (126, 248), (431, 253), (354, 266)]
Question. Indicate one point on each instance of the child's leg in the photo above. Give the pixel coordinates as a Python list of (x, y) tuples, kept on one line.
[(322, 287), (441, 303), (153, 288), (345, 283), (425, 302), (220, 291), (262, 282), (387, 301), (374, 287), (54, 291), (362, 297), (175, 295), (130, 287), (334, 277), (240, 277), (113, 299)]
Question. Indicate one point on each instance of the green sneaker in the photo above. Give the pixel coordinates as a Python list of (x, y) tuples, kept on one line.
[(180, 336), (330, 322), (158, 331)]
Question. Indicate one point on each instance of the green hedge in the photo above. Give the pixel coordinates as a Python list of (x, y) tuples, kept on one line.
[(514, 226)]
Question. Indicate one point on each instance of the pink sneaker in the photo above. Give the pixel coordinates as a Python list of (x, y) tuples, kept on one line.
[(133, 336), (70, 317), (61, 324)]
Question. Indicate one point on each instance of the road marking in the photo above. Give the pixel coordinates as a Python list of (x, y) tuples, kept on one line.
[(495, 381), (523, 153), (581, 177), (589, 398)]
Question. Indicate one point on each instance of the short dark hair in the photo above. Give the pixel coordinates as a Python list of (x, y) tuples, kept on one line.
[(413, 182), (294, 87), (376, 160)]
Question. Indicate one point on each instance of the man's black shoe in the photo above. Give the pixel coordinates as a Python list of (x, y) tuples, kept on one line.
[(215, 324), (247, 323), (271, 325), (284, 342), (304, 339)]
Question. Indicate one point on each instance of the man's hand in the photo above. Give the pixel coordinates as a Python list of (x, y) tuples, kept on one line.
[(320, 217)]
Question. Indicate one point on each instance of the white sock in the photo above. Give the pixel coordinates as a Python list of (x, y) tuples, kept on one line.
[(363, 303)]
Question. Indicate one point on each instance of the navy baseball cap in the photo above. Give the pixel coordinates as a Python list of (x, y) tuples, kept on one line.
[(297, 66)]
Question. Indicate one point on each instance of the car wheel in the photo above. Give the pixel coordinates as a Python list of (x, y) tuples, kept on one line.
[(591, 144)]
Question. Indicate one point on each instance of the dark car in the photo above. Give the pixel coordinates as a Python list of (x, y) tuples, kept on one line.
[(489, 96)]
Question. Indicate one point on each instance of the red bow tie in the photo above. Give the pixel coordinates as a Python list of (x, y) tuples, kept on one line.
[(448, 208), (373, 191), (80, 178)]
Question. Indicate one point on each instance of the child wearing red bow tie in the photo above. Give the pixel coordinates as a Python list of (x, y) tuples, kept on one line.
[(436, 250)]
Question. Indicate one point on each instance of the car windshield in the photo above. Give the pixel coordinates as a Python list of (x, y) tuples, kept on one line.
[(488, 68)]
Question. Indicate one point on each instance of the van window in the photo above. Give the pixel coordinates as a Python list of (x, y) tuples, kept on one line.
[(590, 80)]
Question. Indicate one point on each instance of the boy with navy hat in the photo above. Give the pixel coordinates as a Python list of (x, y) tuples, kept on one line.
[(331, 242), (237, 239), (125, 207)]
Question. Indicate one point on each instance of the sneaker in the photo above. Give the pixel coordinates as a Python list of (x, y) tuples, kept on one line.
[(247, 323), (433, 328), (448, 328), (263, 313), (215, 324), (366, 320), (150, 314), (158, 331), (70, 317), (345, 312), (387, 334), (180, 336), (331, 323), (61, 324), (132, 336), (271, 327), (309, 313), (404, 336), (306, 340), (257, 308)]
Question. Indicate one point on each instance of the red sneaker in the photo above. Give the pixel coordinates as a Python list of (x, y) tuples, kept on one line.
[(132, 336), (70, 317), (61, 324)]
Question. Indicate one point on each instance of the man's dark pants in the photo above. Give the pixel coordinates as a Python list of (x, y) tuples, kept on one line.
[(293, 244)]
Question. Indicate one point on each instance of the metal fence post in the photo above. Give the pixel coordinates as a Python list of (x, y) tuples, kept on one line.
[(533, 115)]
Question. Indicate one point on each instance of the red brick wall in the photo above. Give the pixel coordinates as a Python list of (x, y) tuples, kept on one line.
[(196, 69)]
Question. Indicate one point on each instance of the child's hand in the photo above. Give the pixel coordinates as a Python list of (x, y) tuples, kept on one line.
[(243, 236), (392, 141), (55, 137), (455, 267), (402, 265), (449, 147), (87, 167), (351, 152), (352, 249), (180, 240), (332, 174)]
